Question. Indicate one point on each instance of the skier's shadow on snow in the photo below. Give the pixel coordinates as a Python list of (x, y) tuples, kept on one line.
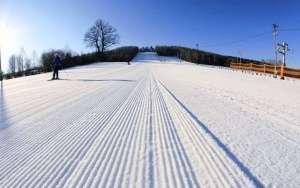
[(105, 80), (228, 152)]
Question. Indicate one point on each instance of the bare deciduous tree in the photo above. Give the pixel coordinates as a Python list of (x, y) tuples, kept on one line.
[(34, 58), (22, 55), (19, 64), (27, 64), (101, 36), (12, 64)]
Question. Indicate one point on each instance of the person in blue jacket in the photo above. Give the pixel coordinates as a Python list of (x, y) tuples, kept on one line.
[(56, 65)]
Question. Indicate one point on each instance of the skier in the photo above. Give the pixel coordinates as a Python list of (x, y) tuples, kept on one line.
[(56, 65)]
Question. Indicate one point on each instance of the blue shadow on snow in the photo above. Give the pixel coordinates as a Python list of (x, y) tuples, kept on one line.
[(3, 114), (231, 155), (105, 80)]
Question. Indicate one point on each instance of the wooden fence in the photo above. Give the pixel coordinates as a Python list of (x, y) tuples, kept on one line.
[(265, 68)]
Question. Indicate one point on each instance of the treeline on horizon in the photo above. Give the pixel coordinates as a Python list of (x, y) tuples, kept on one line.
[(199, 56), (125, 54), (121, 54)]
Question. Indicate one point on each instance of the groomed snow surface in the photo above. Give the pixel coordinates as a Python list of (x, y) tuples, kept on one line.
[(151, 124)]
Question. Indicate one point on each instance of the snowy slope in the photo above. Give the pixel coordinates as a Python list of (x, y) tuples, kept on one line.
[(156, 123)]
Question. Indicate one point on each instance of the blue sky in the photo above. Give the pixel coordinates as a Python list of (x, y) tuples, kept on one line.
[(42, 25)]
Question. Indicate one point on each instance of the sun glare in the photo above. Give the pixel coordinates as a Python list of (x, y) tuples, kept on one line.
[(6, 35)]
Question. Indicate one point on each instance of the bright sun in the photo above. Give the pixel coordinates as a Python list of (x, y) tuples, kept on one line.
[(6, 35)]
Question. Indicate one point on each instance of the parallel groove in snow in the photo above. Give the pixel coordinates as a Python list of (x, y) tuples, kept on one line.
[(172, 158), (113, 142), (246, 120), (24, 105), (82, 144), (107, 143), (213, 157), (127, 132)]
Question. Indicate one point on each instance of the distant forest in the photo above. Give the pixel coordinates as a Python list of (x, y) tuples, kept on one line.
[(199, 56), (121, 54)]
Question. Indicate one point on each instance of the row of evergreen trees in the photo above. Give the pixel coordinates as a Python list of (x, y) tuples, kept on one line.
[(198, 56)]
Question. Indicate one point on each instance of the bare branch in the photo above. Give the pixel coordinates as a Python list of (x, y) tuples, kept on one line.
[(101, 36)]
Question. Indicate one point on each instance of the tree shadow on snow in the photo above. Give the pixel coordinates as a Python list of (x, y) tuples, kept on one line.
[(229, 153), (105, 80), (3, 113)]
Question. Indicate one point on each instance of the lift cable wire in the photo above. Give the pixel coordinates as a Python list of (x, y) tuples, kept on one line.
[(249, 38)]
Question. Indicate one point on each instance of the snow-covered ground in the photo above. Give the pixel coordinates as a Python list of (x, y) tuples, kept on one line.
[(151, 124)]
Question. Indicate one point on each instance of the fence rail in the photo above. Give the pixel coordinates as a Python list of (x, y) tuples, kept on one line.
[(268, 69)]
